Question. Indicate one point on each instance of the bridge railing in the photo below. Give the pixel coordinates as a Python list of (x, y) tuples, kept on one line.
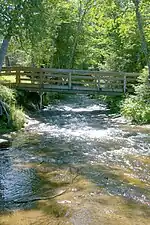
[(46, 79)]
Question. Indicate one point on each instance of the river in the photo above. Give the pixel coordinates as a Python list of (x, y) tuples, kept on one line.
[(77, 137)]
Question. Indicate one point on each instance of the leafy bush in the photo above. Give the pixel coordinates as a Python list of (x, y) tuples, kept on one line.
[(136, 110), (137, 107), (7, 95), (18, 117), (113, 102)]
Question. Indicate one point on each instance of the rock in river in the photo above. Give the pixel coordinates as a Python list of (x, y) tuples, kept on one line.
[(4, 143)]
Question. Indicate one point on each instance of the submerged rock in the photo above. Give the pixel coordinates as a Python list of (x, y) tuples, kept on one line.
[(4, 143), (7, 136)]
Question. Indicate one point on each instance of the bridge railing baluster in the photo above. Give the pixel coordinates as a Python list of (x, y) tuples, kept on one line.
[(41, 80), (98, 83), (125, 84), (17, 78), (70, 81)]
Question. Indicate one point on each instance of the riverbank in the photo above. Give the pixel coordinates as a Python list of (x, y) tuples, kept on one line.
[(7, 135)]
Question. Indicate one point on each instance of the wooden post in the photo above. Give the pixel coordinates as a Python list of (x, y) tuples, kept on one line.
[(69, 81), (125, 84), (17, 78), (41, 80), (41, 99), (98, 83), (41, 87)]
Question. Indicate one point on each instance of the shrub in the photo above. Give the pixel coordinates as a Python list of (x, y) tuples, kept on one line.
[(136, 110), (7, 95), (137, 107), (17, 117), (113, 102)]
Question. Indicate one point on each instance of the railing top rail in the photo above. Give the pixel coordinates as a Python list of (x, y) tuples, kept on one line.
[(29, 69), (72, 71)]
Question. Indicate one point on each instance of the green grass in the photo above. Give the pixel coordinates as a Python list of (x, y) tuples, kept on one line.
[(17, 117), (8, 79)]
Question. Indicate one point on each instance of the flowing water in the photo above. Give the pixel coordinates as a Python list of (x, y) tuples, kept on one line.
[(81, 134)]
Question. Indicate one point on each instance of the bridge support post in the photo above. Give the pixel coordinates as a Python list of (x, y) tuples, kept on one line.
[(41, 99), (17, 78), (98, 83), (69, 81), (125, 84)]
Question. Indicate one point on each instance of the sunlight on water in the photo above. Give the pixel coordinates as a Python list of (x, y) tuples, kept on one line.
[(80, 131), (77, 109)]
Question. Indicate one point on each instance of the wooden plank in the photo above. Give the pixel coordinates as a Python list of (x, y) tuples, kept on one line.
[(21, 69), (5, 74), (101, 77), (17, 78), (83, 77), (28, 79), (67, 71), (88, 72), (53, 81), (83, 88), (56, 75), (80, 82), (28, 85), (48, 86), (112, 89)]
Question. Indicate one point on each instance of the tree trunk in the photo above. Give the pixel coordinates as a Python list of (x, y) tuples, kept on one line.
[(3, 50), (82, 14), (7, 61), (142, 34)]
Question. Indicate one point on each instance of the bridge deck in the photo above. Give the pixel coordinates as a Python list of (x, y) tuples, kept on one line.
[(68, 81)]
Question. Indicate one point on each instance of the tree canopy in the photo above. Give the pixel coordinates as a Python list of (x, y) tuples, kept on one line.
[(82, 34)]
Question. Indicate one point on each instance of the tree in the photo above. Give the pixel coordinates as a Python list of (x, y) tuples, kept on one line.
[(142, 33), (18, 19), (79, 34)]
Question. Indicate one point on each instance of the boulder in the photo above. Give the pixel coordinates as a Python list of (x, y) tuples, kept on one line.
[(4, 143), (6, 136)]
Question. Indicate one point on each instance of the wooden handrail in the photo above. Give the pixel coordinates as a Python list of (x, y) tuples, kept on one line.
[(46, 79), (67, 71)]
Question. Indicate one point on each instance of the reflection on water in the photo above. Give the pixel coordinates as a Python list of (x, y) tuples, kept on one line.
[(78, 131)]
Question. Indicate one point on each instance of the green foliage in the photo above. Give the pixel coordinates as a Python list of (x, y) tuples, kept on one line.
[(21, 16), (80, 34), (113, 102), (137, 107), (7, 95), (17, 117), (52, 97), (136, 110)]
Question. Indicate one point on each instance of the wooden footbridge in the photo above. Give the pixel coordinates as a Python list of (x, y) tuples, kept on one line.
[(67, 81)]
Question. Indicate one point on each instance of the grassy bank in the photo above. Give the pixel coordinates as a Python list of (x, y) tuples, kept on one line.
[(12, 117)]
